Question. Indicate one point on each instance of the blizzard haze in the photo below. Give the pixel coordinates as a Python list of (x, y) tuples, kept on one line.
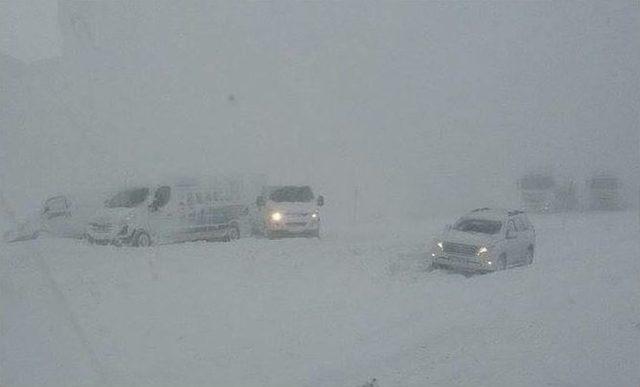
[(405, 116), (419, 105)]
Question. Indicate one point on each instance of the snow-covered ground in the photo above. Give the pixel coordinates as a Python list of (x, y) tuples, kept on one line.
[(359, 304)]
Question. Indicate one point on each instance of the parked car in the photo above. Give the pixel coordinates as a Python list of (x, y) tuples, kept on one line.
[(486, 240), (170, 213), (288, 210), (63, 216), (67, 215)]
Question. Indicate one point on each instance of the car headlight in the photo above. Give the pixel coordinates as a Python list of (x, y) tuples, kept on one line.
[(314, 215), (440, 246), (482, 251), (276, 216)]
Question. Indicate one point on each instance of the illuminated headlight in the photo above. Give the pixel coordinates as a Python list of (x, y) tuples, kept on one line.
[(314, 215), (482, 251), (440, 246), (276, 216)]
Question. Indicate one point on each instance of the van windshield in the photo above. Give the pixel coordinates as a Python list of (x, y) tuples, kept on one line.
[(482, 226), (129, 198), (292, 194)]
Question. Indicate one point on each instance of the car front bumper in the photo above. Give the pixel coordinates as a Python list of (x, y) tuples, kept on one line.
[(465, 263), (108, 238), (293, 227)]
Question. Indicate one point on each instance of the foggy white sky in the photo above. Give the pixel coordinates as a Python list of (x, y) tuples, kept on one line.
[(29, 29), (419, 104)]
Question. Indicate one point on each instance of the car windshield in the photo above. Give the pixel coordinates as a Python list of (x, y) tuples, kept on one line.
[(292, 194), (481, 226), (129, 198), (537, 182)]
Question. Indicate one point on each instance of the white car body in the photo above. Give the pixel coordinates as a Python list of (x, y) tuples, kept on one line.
[(512, 243), (296, 217), (68, 215)]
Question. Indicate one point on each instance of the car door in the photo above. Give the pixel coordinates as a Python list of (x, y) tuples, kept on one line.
[(523, 238), (512, 243), (162, 217), (56, 216)]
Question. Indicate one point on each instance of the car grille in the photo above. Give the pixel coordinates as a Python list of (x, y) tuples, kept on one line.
[(297, 214), (101, 227), (459, 248), (296, 224)]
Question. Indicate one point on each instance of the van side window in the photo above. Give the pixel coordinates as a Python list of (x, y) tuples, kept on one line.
[(163, 194), (522, 225)]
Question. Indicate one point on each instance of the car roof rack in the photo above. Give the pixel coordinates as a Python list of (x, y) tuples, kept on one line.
[(515, 212)]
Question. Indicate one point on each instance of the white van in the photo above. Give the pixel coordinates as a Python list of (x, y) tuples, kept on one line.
[(289, 210), (146, 215)]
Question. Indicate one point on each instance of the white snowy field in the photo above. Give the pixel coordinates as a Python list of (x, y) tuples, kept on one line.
[(356, 305)]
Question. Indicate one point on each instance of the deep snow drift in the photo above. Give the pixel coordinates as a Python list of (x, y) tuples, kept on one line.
[(358, 304)]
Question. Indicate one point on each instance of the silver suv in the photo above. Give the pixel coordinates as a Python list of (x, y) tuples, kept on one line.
[(486, 240)]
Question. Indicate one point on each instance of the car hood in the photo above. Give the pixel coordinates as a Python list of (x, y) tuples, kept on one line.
[(468, 238), (113, 215), (291, 207)]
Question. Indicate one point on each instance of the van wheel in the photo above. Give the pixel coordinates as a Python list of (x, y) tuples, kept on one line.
[(529, 257), (233, 234), (503, 262), (142, 239)]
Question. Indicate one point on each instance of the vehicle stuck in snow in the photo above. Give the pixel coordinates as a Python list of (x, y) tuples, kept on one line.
[(486, 240), (289, 211), (179, 212)]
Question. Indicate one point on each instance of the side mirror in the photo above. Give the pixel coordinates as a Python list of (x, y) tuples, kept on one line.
[(260, 202), (320, 201)]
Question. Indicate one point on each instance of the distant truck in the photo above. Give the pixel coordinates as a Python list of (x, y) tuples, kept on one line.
[(288, 210), (544, 193), (604, 192)]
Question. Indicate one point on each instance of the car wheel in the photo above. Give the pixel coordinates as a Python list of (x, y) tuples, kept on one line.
[(529, 257), (233, 234), (142, 239), (503, 262)]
